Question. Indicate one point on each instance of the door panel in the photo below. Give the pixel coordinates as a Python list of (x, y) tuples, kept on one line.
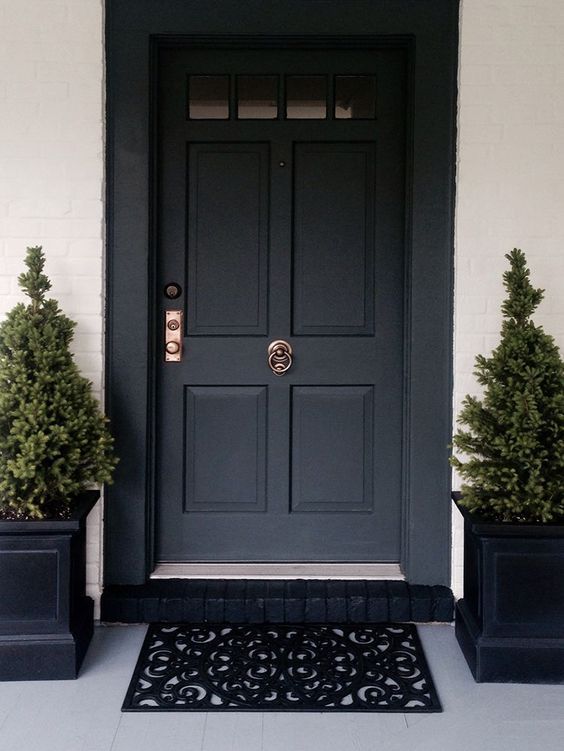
[(213, 416), (282, 229), (228, 291), (334, 239), (332, 448)]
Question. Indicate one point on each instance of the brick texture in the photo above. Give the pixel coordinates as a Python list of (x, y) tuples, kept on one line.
[(52, 172), (510, 184), (255, 601)]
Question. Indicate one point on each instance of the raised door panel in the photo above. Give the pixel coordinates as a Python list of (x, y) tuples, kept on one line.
[(332, 448), (334, 193), (225, 448), (228, 238)]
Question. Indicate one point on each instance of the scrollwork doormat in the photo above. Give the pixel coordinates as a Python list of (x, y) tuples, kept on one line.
[(266, 667)]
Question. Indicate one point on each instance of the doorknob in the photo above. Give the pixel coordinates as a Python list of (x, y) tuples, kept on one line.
[(173, 335), (280, 357)]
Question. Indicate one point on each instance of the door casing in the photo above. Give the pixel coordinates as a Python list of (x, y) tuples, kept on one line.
[(429, 34)]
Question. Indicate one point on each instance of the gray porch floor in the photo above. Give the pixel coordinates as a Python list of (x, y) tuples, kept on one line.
[(84, 715)]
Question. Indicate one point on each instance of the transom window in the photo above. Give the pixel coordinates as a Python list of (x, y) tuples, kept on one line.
[(208, 97), (278, 97), (306, 97), (257, 97)]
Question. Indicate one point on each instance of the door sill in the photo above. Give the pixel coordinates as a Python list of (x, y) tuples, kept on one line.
[(390, 571)]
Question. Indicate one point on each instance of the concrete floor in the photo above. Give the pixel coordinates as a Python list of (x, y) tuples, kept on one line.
[(85, 715)]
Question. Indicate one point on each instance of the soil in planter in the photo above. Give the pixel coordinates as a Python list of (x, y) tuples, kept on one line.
[(55, 512)]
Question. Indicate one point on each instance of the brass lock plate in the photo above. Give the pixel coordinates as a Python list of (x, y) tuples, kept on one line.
[(174, 332)]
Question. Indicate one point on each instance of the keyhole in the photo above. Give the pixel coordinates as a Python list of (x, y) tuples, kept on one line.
[(172, 290)]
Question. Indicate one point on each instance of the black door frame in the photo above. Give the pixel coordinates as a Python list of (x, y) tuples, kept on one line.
[(428, 32)]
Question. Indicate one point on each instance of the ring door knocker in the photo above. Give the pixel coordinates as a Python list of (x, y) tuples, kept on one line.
[(280, 357)]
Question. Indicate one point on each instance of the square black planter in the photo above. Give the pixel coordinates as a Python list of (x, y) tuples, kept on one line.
[(46, 620), (510, 624)]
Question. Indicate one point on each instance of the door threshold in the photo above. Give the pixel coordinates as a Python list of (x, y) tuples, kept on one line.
[(375, 571)]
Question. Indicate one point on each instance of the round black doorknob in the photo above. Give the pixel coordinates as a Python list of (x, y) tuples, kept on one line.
[(172, 290)]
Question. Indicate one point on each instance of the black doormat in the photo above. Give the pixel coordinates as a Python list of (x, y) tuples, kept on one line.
[(265, 667)]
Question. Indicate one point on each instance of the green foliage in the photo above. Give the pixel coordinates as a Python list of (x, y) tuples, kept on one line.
[(53, 438), (514, 436)]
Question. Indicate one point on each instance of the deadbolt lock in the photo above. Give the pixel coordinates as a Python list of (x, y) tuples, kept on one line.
[(173, 336), (172, 290)]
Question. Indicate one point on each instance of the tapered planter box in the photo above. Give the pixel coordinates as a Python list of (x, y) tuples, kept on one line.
[(510, 624), (46, 620)]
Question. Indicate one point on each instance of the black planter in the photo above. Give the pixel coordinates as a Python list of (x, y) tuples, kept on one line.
[(46, 620), (510, 624)]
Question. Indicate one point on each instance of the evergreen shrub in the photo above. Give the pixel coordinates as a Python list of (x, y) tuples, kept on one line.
[(54, 440), (513, 437)]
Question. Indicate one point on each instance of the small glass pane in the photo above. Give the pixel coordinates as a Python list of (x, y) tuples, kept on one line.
[(306, 97), (257, 97), (208, 97), (355, 97)]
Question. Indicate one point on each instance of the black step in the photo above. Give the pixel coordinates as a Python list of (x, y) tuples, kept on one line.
[(276, 601)]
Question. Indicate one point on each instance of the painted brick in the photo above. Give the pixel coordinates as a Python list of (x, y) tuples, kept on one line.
[(510, 184), (215, 601), (475, 113), (234, 605), (51, 171), (512, 59), (274, 602), (485, 134), (475, 74)]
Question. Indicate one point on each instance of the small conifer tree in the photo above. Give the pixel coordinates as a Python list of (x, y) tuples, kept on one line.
[(53, 438), (514, 436)]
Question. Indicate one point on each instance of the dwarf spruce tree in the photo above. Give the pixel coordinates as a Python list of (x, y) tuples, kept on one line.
[(53, 438), (514, 436)]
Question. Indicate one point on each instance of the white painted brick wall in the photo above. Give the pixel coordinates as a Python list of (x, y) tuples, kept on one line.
[(510, 186), (51, 171), (510, 189)]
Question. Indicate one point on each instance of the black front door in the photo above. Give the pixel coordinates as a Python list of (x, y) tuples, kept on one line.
[(281, 216)]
